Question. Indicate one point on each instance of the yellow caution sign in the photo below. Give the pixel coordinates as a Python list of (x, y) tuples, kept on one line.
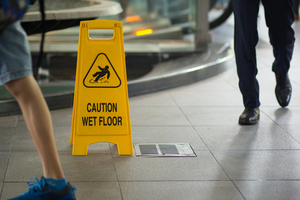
[(101, 106)]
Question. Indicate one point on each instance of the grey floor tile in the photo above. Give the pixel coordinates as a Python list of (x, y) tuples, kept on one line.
[(23, 141), (218, 116), (294, 131), (267, 82), (208, 98), (208, 190), (9, 121), (4, 157), (157, 116), (93, 167), (246, 137), (289, 116), (99, 148), (265, 57), (295, 87), (11, 190), (1, 189), (209, 84), (85, 190), (66, 112), (265, 77), (202, 167), (230, 76), (6, 136), (268, 99), (212, 115), (260, 165), (269, 190), (23, 165), (97, 190), (154, 99), (21, 122), (167, 134), (60, 118), (294, 73), (62, 138)]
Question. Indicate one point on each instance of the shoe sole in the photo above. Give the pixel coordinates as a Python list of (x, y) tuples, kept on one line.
[(241, 122)]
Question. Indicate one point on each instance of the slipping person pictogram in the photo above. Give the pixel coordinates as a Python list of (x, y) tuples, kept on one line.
[(101, 75)]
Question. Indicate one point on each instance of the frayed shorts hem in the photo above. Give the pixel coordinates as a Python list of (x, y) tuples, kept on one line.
[(15, 75)]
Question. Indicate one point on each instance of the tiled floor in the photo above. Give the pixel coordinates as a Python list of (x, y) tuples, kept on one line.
[(233, 162)]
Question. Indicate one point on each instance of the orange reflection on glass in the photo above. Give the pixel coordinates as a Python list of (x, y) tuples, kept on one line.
[(135, 18), (144, 32)]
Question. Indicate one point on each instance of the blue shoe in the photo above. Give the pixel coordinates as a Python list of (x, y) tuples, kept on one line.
[(40, 191)]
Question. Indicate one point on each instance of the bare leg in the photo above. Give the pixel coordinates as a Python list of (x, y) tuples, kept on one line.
[(39, 123)]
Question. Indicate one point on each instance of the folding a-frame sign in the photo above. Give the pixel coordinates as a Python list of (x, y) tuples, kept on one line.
[(101, 105)]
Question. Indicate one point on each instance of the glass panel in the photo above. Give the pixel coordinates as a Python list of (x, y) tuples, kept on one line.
[(218, 9), (146, 17), (148, 149), (168, 149)]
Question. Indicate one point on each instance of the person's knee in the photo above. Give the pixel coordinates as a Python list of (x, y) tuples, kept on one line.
[(15, 87)]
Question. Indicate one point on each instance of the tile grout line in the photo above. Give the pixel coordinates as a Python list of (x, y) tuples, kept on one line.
[(219, 164), (281, 127), (112, 158), (8, 159), (208, 148)]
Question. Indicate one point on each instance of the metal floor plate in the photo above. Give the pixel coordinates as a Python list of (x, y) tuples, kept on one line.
[(164, 150)]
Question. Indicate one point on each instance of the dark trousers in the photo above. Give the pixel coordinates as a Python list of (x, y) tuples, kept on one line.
[(279, 18), (296, 7)]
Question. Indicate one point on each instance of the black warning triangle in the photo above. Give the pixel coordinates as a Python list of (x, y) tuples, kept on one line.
[(102, 74)]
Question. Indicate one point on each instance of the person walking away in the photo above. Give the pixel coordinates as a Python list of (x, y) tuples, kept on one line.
[(296, 9), (279, 19)]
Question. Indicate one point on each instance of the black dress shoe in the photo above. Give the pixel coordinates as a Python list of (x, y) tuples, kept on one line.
[(249, 116), (283, 90)]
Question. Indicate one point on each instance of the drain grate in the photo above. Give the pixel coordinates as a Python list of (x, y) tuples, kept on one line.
[(164, 150)]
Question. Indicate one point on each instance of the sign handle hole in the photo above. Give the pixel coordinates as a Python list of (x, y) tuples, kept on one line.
[(101, 33)]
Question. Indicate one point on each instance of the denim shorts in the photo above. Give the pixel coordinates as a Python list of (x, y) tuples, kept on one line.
[(15, 57)]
